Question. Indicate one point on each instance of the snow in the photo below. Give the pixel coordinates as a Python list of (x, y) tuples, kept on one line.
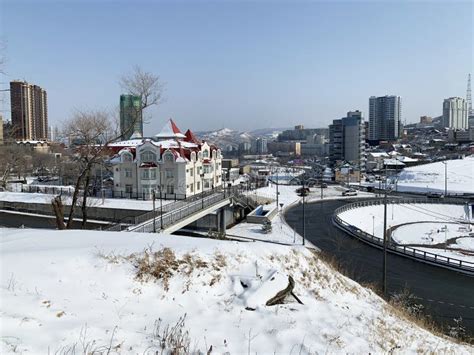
[(114, 203), (408, 217), (65, 290), (431, 177)]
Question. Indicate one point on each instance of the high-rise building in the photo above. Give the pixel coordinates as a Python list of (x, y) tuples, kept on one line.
[(385, 118), (131, 120), (347, 139), (29, 111), (455, 113), (261, 146)]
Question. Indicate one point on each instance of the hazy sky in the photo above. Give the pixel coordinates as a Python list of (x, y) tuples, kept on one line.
[(242, 64)]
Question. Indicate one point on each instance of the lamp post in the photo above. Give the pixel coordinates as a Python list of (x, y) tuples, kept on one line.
[(202, 189), (384, 266), (445, 178), (154, 211)]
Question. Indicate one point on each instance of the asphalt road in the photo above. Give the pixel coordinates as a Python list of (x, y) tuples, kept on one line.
[(445, 294), (13, 220)]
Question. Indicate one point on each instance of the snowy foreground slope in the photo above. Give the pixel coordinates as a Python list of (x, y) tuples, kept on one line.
[(76, 290)]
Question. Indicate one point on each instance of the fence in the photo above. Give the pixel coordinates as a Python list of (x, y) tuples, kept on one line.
[(96, 192), (463, 266)]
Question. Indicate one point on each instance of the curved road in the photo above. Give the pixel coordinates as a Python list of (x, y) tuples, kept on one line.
[(445, 294)]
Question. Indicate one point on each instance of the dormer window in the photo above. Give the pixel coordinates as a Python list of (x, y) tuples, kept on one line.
[(126, 157), (148, 156), (169, 157), (205, 154)]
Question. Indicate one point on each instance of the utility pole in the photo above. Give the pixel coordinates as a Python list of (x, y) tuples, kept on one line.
[(384, 267), (277, 193), (304, 219)]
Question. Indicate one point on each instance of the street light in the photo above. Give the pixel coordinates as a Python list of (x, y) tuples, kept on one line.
[(154, 211), (445, 178), (202, 189)]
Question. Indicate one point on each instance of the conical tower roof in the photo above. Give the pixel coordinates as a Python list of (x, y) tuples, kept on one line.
[(170, 130)]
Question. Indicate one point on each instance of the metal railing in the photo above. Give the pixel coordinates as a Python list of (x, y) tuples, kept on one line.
[(177, 214), (463, 266)]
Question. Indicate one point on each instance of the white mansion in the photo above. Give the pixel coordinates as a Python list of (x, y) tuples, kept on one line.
[(174, 164)]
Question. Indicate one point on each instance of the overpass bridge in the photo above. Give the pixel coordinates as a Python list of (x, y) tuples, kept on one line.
[(187, 211)]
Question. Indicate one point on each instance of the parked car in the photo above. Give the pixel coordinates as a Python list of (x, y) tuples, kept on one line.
[(324, 185), (349, 192), (302, 191), (434, 195)]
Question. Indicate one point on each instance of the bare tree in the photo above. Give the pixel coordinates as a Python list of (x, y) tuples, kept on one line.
[(92, 132), (146, 85)]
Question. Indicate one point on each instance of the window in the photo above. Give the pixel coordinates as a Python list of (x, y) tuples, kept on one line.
[(191, 187), (127, 157), (198, 186), (128, 189), (128, 172), (169, 157), (191, 171), (170, 189), (148, 174), (169, 174), (148, 156), (205, 154), (206, 169)]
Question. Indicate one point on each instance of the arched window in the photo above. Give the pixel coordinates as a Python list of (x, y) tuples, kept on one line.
[(205, 153)]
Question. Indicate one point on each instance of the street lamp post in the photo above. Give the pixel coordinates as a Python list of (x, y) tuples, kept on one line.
[(202, 189), (445, 178), (384, 267), (304, 217), (154, 211)]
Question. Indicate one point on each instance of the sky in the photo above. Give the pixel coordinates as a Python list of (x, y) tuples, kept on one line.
[(241, 64)]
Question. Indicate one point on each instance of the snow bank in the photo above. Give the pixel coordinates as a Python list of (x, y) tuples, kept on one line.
[(65, 289), (431, 177)]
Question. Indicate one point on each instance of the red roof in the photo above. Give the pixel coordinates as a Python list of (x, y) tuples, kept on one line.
[(191, 137), (174, 127)]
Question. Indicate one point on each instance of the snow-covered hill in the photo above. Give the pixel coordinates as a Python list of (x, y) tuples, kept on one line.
[(431, 177), (130, 293)]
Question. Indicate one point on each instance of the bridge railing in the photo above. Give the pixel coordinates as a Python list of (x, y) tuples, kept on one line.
[(172, 217), (441, 260)]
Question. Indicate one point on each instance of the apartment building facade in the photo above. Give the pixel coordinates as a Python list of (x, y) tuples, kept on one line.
[(29, 111)]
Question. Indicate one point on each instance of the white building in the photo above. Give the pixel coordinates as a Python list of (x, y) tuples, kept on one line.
[(455, 113), (173, 164)]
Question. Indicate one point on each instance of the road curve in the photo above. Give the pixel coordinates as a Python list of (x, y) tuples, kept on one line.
[(445, 294)]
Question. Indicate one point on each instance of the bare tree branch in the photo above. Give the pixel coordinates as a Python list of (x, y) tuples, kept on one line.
[(144, 84)]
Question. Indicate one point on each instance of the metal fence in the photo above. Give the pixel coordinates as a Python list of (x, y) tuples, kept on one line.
[(176, 215), (463, 266)]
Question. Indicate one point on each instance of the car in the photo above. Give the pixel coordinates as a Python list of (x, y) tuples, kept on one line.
[(349, 192), (434, 195), (302, 191)]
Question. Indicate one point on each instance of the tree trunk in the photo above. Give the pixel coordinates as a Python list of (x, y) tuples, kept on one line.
[(75, 196), (58, 210), (84, 199)]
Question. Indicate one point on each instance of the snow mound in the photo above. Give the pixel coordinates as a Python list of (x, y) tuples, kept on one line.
[(431, 177), (65, 290)]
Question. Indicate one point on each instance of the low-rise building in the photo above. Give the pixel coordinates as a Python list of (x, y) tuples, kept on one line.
[(172, 164)]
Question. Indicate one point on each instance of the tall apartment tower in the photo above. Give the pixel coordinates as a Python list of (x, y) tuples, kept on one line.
[(131, 121), (455, 113), (385, 117), (29, 111), (347, 140)]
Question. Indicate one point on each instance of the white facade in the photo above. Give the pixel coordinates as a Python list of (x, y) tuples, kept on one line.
[(174, 168), (455, 113)]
